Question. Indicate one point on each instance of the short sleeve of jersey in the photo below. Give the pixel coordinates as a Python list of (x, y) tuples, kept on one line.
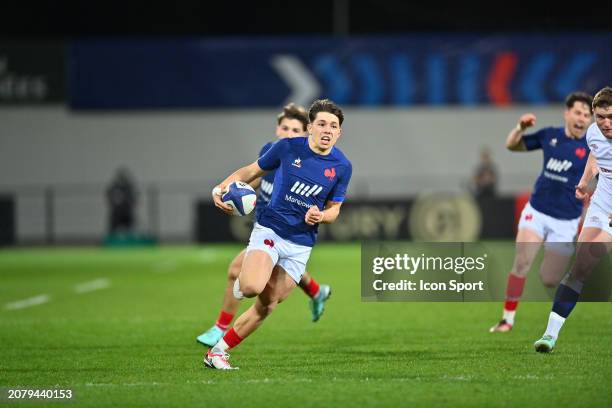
[(271, 159), (338, 193), (265, 148), (534, 140)]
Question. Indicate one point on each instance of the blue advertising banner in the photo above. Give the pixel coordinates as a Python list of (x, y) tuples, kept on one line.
[(433, 70)]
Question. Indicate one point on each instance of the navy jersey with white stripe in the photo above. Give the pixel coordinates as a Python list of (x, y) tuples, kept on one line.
[(265, 188), (303, 179), (564, 161)]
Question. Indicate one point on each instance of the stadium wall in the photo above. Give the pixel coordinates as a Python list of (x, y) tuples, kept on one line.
[(396, 153)]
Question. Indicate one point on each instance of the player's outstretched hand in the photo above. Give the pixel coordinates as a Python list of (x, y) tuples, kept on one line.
[(216, 194), (527, 120), (313, 215), (582, 192)]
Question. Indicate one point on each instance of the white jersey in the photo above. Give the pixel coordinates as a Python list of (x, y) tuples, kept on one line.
[(601, 148)]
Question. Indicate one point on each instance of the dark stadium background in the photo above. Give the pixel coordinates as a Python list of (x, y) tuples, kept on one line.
[(57, 19), (49, 38)]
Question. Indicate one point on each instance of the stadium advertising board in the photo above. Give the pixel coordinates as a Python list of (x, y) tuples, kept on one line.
[(364, 71), (432, 217)]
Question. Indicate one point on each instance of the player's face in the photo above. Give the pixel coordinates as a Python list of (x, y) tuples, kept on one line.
[(577, 119), (289, 128), (603, 118), (324, 132)]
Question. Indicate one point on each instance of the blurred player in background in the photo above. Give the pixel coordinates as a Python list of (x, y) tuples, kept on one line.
[(291, 122), (553, 213), (595, 238), (309, 188)]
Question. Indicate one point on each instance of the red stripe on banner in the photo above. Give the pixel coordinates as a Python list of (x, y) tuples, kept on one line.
[(498, 83)]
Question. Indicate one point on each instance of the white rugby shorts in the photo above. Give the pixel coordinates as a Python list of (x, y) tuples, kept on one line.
[(596, 217), (558, 234), (290, 256)]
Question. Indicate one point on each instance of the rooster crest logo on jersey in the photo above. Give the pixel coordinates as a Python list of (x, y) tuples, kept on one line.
[(297, 163), (330, 173)]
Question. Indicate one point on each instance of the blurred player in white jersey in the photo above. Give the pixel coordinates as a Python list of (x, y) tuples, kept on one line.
[(595, 240), (553, 213), (309, 188), (291, 122)]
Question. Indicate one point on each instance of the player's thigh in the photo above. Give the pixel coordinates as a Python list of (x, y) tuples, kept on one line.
[(596, 227), (293, 259), (527, 245), (261, 256), (593, 243), (279, 287), (256, 270), (592, 234), (236, 265), (558, 250)]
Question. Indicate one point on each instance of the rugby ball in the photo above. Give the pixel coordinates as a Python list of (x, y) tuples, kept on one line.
[(241, 197)]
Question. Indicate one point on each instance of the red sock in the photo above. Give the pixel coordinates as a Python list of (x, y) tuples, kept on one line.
[(312, 288), (224, 320), (514, 291), (231, 338)]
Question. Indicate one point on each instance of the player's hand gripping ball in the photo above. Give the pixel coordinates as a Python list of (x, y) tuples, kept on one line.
[(241, 197)]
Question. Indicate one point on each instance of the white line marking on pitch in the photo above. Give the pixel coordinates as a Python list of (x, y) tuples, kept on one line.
[(91, 286), (33, 301)]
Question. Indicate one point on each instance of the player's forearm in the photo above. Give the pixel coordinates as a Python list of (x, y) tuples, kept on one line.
[(590, 170), (330, 215), (514, 141), (246, 174), (256, 183)]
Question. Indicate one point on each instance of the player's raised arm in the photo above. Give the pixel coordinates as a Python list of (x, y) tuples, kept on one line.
[(327, 216), (246, 174), (590, 171), (514, 141)]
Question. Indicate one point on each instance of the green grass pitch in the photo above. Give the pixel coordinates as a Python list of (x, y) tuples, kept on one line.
[(128, 339)]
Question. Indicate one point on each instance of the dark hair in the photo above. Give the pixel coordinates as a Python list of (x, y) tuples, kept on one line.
[(325, 105), (603, 98), (578, 97), (293, 111)]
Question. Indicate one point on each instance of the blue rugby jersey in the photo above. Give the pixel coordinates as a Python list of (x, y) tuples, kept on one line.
[(303, 179), (563, 165), (265, 188)]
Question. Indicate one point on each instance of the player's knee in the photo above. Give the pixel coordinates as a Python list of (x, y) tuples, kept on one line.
[(250, 290), (549, 281), (581, 271)]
